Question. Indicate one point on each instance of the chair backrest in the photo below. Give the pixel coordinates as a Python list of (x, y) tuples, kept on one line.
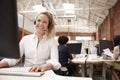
[(62, 71)]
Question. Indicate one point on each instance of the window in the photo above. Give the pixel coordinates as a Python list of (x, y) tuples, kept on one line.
[(83, 38)]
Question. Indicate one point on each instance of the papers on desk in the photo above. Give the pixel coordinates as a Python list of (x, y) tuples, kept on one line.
[(19, 71), (108, 52), (78, 60)]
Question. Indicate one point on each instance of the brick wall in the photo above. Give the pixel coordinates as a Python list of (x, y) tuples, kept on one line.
[(111, 25), (117, 18), (104, 29)]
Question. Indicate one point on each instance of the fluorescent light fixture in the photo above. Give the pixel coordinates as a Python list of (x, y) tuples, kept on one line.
[(39, 8), (69, 8), (67, 16)]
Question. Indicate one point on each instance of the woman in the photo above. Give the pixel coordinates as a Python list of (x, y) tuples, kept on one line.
[(40, 49), (116, 51)]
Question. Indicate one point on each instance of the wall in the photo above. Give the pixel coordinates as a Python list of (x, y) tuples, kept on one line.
[(117, 18), (111, 25), (104, 29)]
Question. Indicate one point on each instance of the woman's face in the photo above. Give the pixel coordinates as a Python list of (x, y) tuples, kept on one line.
[(42, 22)]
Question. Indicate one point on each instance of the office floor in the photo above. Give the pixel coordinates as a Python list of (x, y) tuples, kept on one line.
[(97, 74), (97, 78)]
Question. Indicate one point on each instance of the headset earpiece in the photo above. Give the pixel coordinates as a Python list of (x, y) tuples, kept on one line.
[(34, 22)]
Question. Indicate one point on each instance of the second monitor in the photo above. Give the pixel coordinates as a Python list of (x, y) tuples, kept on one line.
[(104, 44), (74, 48)]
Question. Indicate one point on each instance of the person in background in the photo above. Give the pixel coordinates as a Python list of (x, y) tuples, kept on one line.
[(114, 66), (40, 48), (116, 51), (64, 55)]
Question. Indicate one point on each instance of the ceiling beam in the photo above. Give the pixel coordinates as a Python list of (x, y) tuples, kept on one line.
[(28, 4), (58, 4), (74, 34)]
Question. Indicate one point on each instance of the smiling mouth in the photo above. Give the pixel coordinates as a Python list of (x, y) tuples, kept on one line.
[(40, 27)]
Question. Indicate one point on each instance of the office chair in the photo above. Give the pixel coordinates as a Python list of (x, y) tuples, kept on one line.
[(62, 71)]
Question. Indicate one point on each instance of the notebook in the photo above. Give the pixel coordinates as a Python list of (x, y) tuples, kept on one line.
[(19, 71)]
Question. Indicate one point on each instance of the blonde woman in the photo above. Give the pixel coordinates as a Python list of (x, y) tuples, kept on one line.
[(40, 49)]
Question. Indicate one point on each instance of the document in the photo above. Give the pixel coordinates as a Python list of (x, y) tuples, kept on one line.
[(108, 52), (19, 71)]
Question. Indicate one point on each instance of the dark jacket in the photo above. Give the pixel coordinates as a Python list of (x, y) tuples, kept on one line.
[(64, 54)]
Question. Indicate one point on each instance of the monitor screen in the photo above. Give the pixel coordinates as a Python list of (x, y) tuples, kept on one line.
[(9, 47), (103, 44), (74, 48)]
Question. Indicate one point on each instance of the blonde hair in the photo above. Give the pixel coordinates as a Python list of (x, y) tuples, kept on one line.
[(51, 25)]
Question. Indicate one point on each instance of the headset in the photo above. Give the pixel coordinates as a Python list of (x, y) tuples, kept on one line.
[(34, 22)]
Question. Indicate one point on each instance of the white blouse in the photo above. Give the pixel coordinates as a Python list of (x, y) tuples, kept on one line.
[(116, 53), (46, 51)]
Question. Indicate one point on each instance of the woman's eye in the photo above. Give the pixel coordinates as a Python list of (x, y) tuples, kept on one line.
[(38, 20)]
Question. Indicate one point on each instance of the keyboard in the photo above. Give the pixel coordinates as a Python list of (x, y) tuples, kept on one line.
[(19, 71)]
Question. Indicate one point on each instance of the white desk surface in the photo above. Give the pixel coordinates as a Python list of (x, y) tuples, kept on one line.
[(79, 60), (48, 75), (90, 60)]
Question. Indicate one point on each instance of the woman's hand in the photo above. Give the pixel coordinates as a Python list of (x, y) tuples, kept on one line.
[(36, 68), (41, 68)]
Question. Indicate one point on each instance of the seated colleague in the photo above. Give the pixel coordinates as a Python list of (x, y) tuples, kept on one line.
[(64, 55), (40, 49), (97, 47), (116, 51)]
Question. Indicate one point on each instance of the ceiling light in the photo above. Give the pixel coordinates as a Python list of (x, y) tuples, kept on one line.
[(67, 16), (69, 8), (39, 8)]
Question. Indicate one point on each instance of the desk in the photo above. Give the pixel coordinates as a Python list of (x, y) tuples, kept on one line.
[(80, 61), (49, 75), (91, 60), (98, 60)]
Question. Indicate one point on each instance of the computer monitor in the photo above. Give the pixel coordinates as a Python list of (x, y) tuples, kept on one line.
[(104, 44), (9, 44), (74, 48)]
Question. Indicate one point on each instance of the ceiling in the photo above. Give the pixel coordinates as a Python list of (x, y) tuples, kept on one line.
[(89, 14)]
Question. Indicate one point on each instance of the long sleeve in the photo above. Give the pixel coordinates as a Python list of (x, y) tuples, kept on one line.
[(54, 54), (116, 53), (11, 62)]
